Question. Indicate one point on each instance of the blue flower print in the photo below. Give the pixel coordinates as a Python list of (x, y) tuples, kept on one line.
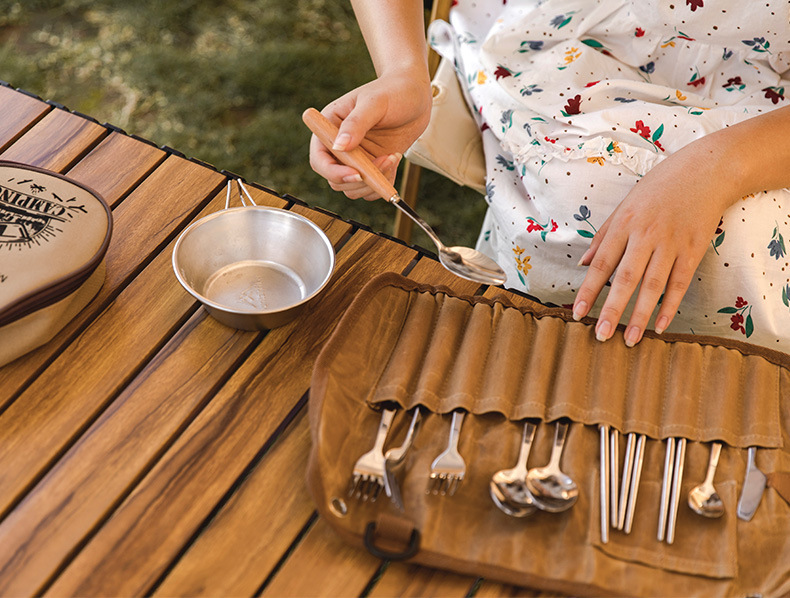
[(648, 68), (530, 89), (526, 46), (505, 163), (758, 44), (561, 20), (777, 244)]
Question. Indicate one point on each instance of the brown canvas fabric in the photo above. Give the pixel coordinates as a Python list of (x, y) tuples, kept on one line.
[(403, 344)]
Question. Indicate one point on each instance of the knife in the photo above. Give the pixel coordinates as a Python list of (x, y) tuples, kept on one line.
[(753, 486)]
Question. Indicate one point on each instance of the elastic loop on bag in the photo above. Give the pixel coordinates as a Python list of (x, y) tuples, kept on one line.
[(409, 552)]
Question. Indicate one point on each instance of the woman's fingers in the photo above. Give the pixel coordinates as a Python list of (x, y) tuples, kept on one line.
[(606, 254), (627, 276), (653, 282)]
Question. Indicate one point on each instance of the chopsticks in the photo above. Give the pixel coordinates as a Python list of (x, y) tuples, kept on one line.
[(618, 501)]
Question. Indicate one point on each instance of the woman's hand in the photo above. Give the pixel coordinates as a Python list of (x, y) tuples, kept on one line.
[(385, 116), (656, 238)]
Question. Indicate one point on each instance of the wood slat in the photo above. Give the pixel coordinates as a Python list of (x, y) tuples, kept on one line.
[(243, 552), (84, 485), (151, 215), (20, 112), (243, 543), (492, 589), (405, 580), (431, 272), (148, 531), (56, 141), (48, 413), (117, 165), (323, 565)]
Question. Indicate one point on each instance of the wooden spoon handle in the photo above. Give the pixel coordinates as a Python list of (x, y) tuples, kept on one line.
[(357, 158)]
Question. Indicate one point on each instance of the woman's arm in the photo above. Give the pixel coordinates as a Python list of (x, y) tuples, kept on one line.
[(390, 112), (695, 185)]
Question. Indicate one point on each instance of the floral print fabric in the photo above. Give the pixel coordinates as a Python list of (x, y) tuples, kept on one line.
[(578, 99)]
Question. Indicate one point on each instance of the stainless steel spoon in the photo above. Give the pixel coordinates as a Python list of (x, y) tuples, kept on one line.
[(704, 499), (462, 261), (508, 487), (506, 507), (551, 489)]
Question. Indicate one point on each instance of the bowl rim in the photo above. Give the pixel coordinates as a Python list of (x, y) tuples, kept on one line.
[(224, 308)]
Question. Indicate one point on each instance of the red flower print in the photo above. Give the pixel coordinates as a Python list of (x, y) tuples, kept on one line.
[(591, 83), (697, 82), (719, 229), (694, 4), (740, 316), (733, 81), (657, 143), (642, 129), (573, 106), (533, 226), (639, 32), (502, 72), (772, 94), (484, 126), (554, 226), (550, 140)]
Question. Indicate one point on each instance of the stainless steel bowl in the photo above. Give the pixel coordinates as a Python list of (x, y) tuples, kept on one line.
[(253, 267)]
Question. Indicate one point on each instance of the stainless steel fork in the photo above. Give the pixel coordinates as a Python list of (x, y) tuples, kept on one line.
[(367, 477), (448, 469)]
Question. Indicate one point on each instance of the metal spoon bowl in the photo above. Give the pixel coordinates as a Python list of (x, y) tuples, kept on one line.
[(462, 261), (504, 505), (551, 489), (703, 499)]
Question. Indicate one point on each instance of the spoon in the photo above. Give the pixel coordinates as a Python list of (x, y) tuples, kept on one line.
[(506, 507), (704, 499), (462, 261), (508, 486), (551, 489)]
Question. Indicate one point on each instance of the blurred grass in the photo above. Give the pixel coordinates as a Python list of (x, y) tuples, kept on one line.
[(224, 82)]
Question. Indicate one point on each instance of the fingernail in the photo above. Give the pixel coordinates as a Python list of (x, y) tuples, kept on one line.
[(603, 330), (662, 324), (341, 142), (353, 178), (632, 336), (579, 310), (581, 262)]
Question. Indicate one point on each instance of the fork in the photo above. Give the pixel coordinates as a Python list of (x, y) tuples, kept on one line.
[(448, 469), (367, 477)]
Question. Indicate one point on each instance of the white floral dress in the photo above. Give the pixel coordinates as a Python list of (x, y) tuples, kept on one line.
[(577, 99)]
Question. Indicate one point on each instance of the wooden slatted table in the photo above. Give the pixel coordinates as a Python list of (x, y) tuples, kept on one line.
[(148, 449)]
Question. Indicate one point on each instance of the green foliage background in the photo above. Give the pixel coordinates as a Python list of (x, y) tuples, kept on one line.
[(223, 81)]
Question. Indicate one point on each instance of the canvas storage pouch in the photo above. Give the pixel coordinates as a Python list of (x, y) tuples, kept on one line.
[(403, 345), (54, 233)]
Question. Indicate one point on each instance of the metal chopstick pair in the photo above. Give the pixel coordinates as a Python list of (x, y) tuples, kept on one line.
[(670, 494), (619, 510)]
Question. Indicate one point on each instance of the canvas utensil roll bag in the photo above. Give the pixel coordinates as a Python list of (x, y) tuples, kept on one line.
[(402, 345), (54, 233)]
